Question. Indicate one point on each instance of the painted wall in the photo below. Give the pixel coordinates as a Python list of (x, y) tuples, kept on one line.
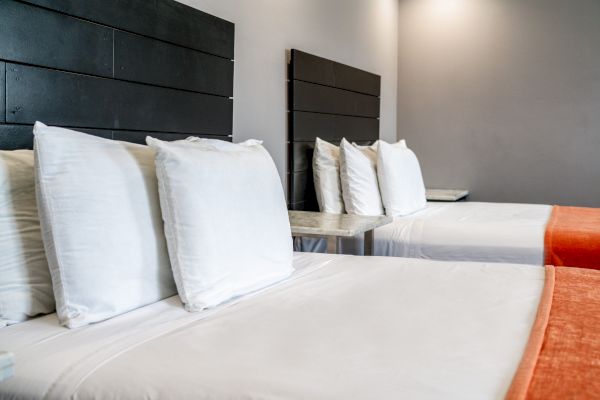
[(355, 32), (503, 97)]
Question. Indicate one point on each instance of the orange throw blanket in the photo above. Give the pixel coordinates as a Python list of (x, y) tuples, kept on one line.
[(573, 237), (562, 358)]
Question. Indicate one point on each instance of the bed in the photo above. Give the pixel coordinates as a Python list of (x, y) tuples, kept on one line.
[(324, 103), (469, 231), (339, 327), (318, 335)]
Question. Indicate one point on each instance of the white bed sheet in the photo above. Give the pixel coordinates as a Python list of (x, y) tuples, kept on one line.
[(342, 327), (462, 231)]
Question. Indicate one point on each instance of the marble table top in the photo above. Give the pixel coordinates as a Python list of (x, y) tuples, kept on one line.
[(446, 194), (323, 224)]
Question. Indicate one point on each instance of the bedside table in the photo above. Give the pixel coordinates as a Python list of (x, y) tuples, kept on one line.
[(446, 194), (334, 226)]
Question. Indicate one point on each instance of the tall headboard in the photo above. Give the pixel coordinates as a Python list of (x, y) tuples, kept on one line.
[(119, 69), (331, 101)]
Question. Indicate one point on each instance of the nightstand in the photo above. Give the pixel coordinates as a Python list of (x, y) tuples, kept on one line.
[(334, 226), (446, 194)]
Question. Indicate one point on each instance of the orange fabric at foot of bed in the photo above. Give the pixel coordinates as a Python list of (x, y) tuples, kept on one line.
[(562, 359), (573, 237)]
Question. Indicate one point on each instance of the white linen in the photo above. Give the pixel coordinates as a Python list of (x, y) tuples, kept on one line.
[(101, 224), (358, 173), (326, 174), (226, 219), (25, 285), (343, 328), (400, 179), (463, 231)]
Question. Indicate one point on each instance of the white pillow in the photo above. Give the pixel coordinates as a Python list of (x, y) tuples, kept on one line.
[(359, 179), (400, 179), (225, 216), (101, 224), (326, 174), (25, 285)]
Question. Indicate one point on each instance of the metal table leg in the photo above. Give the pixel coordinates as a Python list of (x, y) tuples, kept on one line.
[(369, 237), (332, 247)]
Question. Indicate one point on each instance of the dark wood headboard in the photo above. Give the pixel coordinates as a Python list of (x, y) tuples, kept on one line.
[(119, 69), (331, 101)]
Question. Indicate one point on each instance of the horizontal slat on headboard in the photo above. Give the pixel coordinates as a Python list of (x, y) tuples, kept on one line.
[(315, 69), (54, 40), (307, 126), (331, 101), (325, 99), (2, 92), (67, 99), (140, 59), (13, 137), (165, 20)]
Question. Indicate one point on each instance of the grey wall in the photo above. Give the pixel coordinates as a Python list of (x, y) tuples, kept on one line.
[(355, 32), (503, 97)]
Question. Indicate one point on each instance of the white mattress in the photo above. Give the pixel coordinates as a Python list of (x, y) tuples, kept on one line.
[(462, 231), (342, 328)]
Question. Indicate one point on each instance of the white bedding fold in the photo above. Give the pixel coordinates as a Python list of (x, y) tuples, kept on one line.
[(463, 231), (342, 327)]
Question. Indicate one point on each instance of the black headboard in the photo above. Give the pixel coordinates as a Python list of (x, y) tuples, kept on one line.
[(120, 69), (331, 101)]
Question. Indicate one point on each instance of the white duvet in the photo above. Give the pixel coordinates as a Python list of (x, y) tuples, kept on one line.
[(463, 231), (341, 327)]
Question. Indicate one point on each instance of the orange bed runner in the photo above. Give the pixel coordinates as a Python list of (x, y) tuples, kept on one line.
[(562, 358), (573, 237)]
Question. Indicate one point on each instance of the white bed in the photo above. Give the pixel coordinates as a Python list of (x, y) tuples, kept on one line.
[(463, 231), (341, 327)]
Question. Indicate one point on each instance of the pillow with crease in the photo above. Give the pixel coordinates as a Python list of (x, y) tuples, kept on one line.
[(358, 172), (400, 179), (101, 225), (25, 285), (326, 175), (226, 219)]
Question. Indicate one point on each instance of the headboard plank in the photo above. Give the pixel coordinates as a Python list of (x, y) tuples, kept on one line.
[(41, 41), (324, 99), (168, 21), (120, 69), (139, 59), (308, 126), (331, 101), (2, 92), (310, 68), (92, 102)]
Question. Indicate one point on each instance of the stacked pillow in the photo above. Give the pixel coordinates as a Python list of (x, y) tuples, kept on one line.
[(225, 217), (101, 224), (326, 175), (101, 209), (372, 178), (25, 285)]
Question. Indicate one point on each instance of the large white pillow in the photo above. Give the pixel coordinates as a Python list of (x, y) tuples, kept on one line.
[(25, 285), (326, 174), (225, 216), (101, 224), (358, 171), (400, 179)]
